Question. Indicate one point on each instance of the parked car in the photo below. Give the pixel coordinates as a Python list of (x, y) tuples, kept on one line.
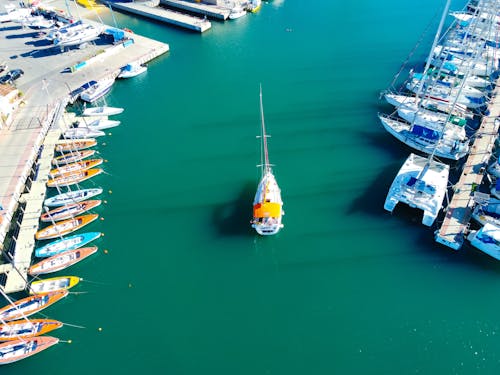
[(3, 66), (11, 76)]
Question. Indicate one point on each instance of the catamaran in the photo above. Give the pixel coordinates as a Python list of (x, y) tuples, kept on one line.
[(267, 204)]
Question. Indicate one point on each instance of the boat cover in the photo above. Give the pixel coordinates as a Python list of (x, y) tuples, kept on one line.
[(267, 209), (422, 131)]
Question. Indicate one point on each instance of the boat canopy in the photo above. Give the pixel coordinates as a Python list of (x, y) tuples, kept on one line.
[(266, 209), (422, 131)]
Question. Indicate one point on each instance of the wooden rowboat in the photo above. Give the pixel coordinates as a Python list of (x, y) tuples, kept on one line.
[(73, 178), (75, 145), (65, 244), (53, 284), (23, 329), (69, 211), (72, 157), (61, 261), (65, 227), (13, 351), (30, 305), (81, 165)]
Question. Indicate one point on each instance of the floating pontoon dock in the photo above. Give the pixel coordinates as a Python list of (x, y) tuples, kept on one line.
[(212, 11)]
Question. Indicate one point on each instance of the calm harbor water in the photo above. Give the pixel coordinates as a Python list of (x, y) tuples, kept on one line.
[(186, 286)]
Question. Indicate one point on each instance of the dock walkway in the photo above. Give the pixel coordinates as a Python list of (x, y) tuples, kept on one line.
[(455, 225), (212, 11)]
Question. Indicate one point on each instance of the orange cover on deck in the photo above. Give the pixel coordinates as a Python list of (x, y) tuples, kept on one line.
[(267, 209)]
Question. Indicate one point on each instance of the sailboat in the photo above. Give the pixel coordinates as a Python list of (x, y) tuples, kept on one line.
[(54, 283), (267, 204), (14, 351), (30, 305), (70, 210), (23, 329), (61, 261), (65, 227)]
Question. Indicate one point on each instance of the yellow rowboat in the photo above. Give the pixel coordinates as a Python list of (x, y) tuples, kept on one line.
[(69, 211), (81, 165), (65, 227), (53, 284), (73, 178), (23, 329), (72, 157), (75, 145), (14, 351), (30, 305), (61, 261)]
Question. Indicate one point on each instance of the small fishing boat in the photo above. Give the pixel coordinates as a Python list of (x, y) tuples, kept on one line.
[(69, 211), (132, 70), (73, 178), (61, 261), (71, 197), (53, 284), (23, 329), (267, 204), (30, 305), (99, 124), (75, 145), (65, 227), (64, 244), (75, 167), (72, 157), (14, 351), (102, 111), (83, 132), (101, 88)]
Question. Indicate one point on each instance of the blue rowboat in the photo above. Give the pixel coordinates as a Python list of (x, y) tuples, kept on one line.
[(68, 243)]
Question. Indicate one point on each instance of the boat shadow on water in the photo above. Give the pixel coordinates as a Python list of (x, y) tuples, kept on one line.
[(233, 218)]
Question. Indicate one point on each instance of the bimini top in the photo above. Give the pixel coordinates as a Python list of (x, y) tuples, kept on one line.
[(267, 209)]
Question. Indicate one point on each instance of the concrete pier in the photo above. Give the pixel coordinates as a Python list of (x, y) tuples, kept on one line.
[(212, 11), (165, 15), (458, 214)]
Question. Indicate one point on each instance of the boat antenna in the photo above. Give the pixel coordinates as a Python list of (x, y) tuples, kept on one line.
[(267, 165)]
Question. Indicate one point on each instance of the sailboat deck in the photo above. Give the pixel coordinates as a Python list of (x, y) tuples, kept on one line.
[(455, 225)]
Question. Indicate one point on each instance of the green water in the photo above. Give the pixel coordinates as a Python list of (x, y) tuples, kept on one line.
[(187, 287)]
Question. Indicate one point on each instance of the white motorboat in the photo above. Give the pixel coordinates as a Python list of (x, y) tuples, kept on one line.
[(102, 111), (132, 70), (486, 239), (420, 183), (83, 132), (98, 90), (237, 11), (99, 124)]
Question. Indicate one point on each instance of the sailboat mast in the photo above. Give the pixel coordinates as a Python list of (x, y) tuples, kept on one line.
[(267, 165)]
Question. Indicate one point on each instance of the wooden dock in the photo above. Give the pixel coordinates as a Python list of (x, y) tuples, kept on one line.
[(458, 214)]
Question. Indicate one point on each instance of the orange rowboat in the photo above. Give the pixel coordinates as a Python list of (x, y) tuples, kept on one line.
[(73, 178), (72, 157), (69, 211), (81, 165), (61, 261), (65, 227), (13, 351), (23, 329), (30, 305), (75, 145)]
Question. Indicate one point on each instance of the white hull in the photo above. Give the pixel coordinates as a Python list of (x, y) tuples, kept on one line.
[(132, 70), (71, 197), (420, 183), (98, 90), (100, 124), (411, 102), (268, 191), (102, 111), (83, 133), (487, 239)]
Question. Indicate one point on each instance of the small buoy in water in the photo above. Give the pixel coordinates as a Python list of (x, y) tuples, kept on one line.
[(105, 251), (130, 285), (69, 341), (102, 218), (110, 191), (105, 201), (104, 143), (99, 329), (105, 160)]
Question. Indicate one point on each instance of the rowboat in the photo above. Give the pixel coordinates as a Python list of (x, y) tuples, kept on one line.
[(53, 284), (83, 132), (75, 145), (65, 227), (61, 261), (73, 178), (102, 111), (71, 197), (30, 305), (81, 165), (13, 351), (64, 244), (69, 211), (23, 329), (72, 157)]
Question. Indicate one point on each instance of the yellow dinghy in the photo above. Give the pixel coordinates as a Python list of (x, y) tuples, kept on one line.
[(78, 166), (65, 227), (53, 284), (73, 178)]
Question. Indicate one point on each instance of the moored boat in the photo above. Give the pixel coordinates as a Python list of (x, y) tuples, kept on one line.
[(72, 178), (99, 124), (69, 211), (71, 197), (75, 167), (83, 132), (267, 204), (72, 157), (61, 261), (101, 88), (65, 227), (14, 351), (53, 284), (486, 239), (102, 111), (75, 145), (64, 244), (132, 70), (27, 306), (23, 329)]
